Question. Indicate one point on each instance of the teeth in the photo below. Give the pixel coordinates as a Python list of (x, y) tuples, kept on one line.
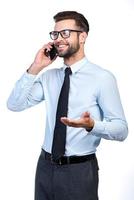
[(61, 45)]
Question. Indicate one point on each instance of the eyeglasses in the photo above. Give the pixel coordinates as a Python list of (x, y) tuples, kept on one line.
[(64, 33)]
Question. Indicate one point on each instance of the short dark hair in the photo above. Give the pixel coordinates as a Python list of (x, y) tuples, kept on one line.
[(80, 20)]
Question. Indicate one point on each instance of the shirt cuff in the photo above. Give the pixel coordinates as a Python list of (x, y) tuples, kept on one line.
[(89, 129), (28, 75), (98, 128)]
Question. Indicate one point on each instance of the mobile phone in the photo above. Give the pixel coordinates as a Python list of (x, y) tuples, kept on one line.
[(52, 53)]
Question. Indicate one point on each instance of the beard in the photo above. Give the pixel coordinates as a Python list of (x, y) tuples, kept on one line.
[(71, 50)]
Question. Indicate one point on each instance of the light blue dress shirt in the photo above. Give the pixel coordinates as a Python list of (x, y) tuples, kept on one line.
[(92, 89)]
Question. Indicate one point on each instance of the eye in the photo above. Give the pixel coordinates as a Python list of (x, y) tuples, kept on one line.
[(54, 33), (65, 33)]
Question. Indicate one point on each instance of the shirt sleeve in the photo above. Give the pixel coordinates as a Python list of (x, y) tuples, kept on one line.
[(28, 91), (114, 125)]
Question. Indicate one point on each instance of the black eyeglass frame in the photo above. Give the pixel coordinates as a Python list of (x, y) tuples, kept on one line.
[(60, 32)]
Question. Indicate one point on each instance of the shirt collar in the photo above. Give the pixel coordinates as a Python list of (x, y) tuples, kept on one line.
[(76, 66)]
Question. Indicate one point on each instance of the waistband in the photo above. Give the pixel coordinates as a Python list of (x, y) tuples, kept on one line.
[(67, 159)]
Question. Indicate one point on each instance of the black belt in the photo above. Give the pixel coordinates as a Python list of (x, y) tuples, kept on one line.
[(67, 159)]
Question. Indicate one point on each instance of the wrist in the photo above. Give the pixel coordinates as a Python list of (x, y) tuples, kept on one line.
[(90, 126), (33, 69)]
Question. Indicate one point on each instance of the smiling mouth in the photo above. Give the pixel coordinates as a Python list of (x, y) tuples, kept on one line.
[(61, 46)]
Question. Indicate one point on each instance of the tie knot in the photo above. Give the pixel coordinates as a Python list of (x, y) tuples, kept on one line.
[(68, 71)]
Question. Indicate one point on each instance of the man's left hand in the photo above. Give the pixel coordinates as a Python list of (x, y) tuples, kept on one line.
[(84, 122)]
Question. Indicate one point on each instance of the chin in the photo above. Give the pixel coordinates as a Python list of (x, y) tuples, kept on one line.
[(62, 54)]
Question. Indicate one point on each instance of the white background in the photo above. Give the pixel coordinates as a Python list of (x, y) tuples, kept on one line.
[(24, 28)]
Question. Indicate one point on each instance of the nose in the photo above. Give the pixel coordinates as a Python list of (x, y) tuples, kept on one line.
[(58, 40)]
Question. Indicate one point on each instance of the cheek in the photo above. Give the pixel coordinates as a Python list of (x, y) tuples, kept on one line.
[(74, 41)]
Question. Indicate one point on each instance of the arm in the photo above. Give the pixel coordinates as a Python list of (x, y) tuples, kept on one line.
[(114, 125), (28, 91)]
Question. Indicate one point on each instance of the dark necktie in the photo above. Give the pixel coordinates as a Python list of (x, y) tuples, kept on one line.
[(59, 139)]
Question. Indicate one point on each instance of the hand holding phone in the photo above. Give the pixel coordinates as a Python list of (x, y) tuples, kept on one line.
[(41, 61), (52, 53)]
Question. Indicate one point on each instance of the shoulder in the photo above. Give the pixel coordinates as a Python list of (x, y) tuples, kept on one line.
[(50, 73), (100, 73)]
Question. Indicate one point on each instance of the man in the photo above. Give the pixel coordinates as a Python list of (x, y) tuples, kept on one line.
[(83, 106)]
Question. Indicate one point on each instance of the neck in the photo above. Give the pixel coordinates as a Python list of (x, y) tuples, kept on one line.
[(73, 59)]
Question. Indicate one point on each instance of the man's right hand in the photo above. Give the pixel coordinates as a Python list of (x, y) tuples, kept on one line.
[(41, 60)]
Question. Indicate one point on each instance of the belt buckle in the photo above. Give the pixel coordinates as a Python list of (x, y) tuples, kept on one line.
[(63, 160), (59, 161), (53, 161)]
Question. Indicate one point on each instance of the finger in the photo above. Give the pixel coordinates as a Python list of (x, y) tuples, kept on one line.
[(71, 122), (65, 120), (48, 46), (85, 114)]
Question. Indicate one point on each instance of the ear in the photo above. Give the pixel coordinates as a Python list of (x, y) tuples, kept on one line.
[(83, 37)]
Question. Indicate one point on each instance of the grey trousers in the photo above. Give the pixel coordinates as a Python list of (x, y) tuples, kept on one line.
[(66, 182)]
